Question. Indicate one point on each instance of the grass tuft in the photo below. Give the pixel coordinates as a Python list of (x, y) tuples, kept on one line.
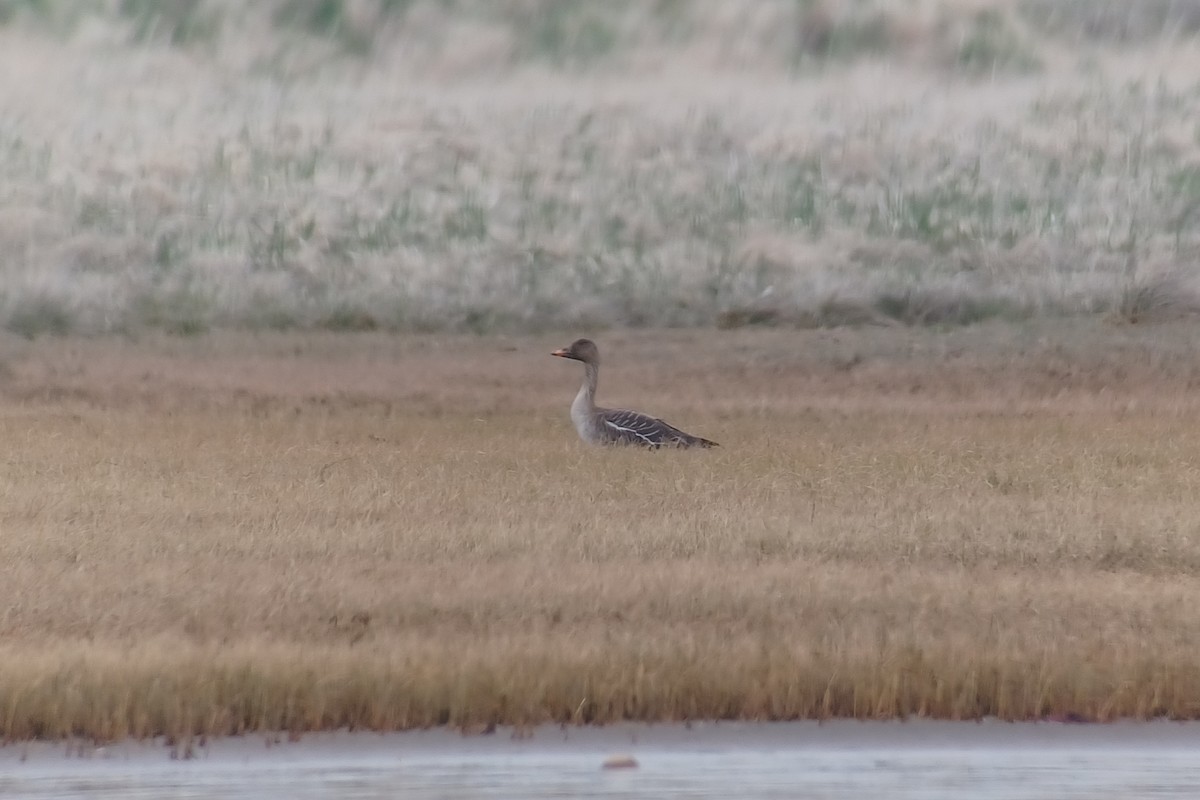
[(348, 318), (1157, 298), (991, 45), (180, 22), (1110, 21), (39, 316), (944, 307)]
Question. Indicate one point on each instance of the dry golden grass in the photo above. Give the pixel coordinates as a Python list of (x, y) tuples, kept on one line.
[(301, 532)]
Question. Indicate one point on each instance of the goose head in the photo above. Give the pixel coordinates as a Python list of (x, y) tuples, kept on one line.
[(584, 350)]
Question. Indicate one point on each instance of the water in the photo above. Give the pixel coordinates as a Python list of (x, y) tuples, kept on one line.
[(832, 760)]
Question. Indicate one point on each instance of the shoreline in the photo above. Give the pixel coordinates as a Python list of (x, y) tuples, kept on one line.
[(630, 738), (915, 760)]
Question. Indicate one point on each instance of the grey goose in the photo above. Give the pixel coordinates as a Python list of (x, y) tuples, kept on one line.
[(614, 425)]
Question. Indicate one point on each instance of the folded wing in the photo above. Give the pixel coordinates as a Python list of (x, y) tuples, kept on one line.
[(630, 427)]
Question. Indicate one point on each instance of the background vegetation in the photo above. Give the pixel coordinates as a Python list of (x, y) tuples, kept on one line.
[(469, 165)]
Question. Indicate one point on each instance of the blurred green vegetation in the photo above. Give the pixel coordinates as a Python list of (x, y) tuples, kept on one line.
[(585, 34), (1083, 199)]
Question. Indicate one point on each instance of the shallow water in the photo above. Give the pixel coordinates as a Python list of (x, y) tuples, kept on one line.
[(831, 760)]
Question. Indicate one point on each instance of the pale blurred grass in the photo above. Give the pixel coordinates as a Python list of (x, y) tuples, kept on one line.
[(538, 165), (311, 532)]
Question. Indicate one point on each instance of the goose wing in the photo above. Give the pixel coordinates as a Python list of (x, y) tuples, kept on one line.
[(630, 427)]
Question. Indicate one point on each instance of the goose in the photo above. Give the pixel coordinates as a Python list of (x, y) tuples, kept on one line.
[(614, 425)]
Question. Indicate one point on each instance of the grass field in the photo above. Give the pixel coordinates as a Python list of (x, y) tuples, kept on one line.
[(227, 533)]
